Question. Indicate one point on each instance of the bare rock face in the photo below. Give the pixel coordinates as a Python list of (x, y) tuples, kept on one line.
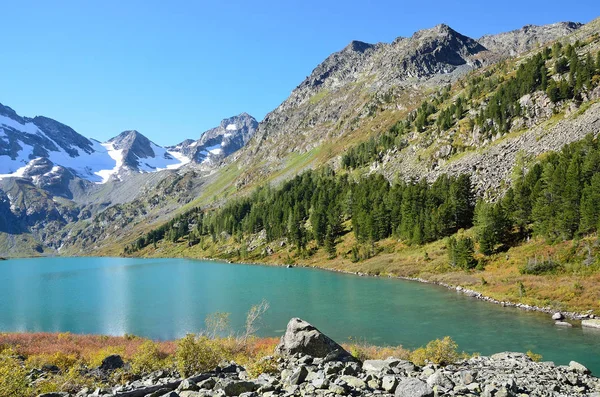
[(301, 337), (527, 38)]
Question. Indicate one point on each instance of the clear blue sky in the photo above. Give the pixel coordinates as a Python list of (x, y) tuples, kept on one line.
[(172, 69)]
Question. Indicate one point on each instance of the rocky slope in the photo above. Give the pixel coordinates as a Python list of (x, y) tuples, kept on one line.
[(217, 143), (345, 93), (311, 364), (527, 38)]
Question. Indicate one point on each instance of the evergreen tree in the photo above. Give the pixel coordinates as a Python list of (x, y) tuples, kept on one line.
[(492, 226), (590, 206)]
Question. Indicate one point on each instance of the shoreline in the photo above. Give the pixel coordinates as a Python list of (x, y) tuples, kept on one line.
[(573, 316)]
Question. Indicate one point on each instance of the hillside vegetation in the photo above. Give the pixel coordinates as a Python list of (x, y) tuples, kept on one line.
[(544, 224)]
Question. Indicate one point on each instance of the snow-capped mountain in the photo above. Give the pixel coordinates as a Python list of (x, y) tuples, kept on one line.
[(41, 148), (134, 152), (215, 144)]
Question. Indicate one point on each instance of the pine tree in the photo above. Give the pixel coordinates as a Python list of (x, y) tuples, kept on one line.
[(590, 206), (491, 226), (570, 198)]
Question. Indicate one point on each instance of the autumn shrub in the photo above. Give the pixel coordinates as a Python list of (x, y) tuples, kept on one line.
[(149, 358), (62, 360), (13, 376), (71, 381), (440, 351), (365, 351), (263, 365), (534, 356), (197, 354), (95, 358)]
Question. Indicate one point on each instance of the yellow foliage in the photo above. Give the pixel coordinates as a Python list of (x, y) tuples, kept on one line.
[(441, 352), (264, 365), (13, 381), (70, 381), (95, 359), (197, 354), (149, 358), (61, 360), (534, 356)]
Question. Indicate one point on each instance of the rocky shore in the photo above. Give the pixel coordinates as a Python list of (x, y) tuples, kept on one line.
[(575, 316), (311, 364)]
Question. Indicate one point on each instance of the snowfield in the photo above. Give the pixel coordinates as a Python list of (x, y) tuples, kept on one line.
[(98, 166)]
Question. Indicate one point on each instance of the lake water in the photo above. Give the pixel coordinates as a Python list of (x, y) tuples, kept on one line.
[(167, 298)]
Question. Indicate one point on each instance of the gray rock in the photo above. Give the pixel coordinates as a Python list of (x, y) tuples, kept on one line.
[(467, 377), (54, 394), (412, 387), (389, 383), (207, 384), (353, 381), (351, 369), (111, 363), (557, 316), (171, 394), (591, 323), (439, 379), (574, 365), (563, 324), (320, 383), (235, 388), (302, 337), (187, 384), (298, 376)]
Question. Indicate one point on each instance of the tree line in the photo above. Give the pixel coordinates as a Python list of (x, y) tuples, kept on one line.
[(314, 206)]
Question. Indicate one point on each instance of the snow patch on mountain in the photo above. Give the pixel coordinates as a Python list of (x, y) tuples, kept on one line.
[(231, 127), (162, 160), (117, 156)]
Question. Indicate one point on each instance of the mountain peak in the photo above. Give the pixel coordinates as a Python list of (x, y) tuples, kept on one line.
[(217, 143), (358, 46), (438, 30)]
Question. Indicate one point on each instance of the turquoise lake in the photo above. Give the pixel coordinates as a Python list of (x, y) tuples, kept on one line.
[(167, 298)]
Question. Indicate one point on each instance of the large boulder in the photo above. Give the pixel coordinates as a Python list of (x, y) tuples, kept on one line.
[(301, 337), (593, 323), (413, 387), (111, 363)]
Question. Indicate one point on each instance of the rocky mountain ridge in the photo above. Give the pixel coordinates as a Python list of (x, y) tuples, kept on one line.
[(214, 145), (52, 178), (341, 92)]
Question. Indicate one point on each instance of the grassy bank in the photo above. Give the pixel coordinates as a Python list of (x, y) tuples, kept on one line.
[(569, 285)]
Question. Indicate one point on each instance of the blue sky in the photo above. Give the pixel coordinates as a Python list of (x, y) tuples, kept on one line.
[(172, 69)]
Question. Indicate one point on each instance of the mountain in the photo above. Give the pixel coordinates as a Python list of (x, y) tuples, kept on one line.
[(217, 143), (342, 94), (354, 97), (52, 153), (53, 179), (41, 147), (25, 139), (133, 152), (527, 38)]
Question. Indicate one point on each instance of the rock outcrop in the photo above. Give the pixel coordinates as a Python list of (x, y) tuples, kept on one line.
[(302, 338)]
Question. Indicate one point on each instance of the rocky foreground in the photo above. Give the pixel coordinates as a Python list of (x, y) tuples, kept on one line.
[(311, 364)]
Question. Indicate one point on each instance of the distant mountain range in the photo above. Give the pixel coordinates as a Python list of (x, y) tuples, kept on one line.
[(46, 150)]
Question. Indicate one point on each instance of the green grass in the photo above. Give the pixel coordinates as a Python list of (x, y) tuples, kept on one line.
[(318, 97)]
